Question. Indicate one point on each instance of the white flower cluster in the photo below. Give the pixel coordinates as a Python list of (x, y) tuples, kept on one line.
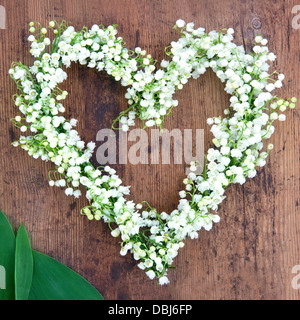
[(153, 238)]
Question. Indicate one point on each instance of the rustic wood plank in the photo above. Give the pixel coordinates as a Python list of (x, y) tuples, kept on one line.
[(251, 252)]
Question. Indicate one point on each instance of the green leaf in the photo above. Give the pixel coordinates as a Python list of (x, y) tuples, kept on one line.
[(23, 265), (7, 259), (54, 281)]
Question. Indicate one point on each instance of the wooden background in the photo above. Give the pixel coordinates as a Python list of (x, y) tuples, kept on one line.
[(251, 252)]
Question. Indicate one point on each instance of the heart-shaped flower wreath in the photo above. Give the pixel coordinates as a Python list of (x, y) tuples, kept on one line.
[(152, 237)]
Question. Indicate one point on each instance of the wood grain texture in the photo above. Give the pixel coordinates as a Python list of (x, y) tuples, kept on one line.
[(251, 252)]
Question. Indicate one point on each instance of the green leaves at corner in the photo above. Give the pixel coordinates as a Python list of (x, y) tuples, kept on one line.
[(23, 265), (7, 259), (26, 274), (54, 281)]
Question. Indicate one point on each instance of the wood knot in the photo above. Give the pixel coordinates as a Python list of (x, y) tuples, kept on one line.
[(256, 23)]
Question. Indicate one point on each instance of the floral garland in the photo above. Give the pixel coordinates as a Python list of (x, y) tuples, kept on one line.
[(153, 238)]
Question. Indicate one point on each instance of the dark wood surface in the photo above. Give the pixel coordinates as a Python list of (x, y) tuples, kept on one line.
[(251, 252)]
